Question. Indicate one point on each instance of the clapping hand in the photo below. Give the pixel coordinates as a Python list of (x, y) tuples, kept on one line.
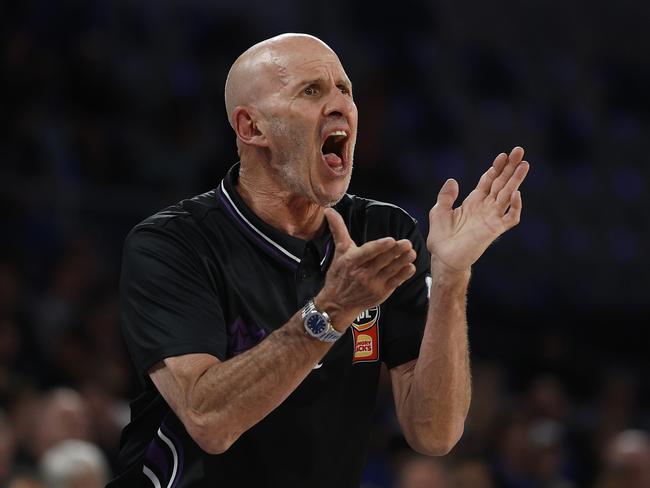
[(363, 276), (459, 236)]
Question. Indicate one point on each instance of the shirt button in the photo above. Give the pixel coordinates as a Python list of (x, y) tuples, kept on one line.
[(303, 274)]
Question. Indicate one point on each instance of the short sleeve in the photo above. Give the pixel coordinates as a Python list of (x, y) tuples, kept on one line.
[(404, 313), (168, 304)]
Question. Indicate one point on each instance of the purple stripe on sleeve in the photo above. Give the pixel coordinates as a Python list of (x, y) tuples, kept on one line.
[(156, 457), (180, 451)]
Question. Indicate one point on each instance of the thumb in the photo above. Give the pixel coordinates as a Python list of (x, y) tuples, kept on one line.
[(448, 194), (342, 239)]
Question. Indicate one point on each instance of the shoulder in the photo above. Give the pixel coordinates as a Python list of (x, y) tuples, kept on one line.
[(182, 224), (376, 210)]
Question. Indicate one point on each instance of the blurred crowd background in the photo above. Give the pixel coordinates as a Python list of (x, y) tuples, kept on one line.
[(112, 109)]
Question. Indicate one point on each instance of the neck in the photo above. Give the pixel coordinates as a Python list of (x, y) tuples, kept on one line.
[(264, 194)]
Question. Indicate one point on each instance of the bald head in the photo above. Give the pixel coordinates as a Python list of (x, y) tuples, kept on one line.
[(261, 69), (285, 97)]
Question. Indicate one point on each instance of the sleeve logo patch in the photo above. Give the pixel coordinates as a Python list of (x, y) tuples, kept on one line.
[(365, 331), (366, 319)]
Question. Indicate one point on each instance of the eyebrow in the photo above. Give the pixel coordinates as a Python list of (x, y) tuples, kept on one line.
[(320, 79)]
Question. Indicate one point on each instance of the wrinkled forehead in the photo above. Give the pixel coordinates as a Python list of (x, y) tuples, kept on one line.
[(308, 62)]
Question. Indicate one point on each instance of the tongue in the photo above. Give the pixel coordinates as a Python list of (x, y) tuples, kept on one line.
[(332, 160)]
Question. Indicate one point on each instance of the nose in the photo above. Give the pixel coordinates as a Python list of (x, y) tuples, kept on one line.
[(339, 105)]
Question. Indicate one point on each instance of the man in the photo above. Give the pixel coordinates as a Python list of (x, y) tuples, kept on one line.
[(626, 461), (258, 314), (74, 464), (422, 472)]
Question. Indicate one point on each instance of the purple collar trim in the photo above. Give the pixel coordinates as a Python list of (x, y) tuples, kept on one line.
[(269, 245)]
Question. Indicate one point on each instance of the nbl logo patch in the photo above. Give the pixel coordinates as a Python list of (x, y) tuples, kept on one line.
[(365, 331)]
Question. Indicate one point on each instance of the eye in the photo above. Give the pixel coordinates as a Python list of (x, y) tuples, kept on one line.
[(311, 90), (344, 89)]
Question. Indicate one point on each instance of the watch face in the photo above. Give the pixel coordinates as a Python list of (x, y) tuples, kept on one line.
[(316, 323)]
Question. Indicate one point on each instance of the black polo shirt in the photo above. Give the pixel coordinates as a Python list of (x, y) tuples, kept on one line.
[(208, 276)]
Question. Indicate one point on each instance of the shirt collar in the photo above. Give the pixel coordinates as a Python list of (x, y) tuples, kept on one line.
[(288, 249)]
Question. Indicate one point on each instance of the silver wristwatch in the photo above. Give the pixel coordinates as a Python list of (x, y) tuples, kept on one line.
[(317, 323)]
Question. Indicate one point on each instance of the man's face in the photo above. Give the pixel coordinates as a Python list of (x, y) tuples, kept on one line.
[(311, 124)]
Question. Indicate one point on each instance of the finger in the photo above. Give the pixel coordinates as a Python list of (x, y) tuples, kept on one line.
[(404, 274), (342, 239), (513, 215), (514, 159), (372, 249), (397, 264), (485, 182), (504, 196), (447, 194), (517, 153), (382, 260), (499, 162)]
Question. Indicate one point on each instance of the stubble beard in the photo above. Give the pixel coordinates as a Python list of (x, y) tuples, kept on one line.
[(289, 172), (296, 160)]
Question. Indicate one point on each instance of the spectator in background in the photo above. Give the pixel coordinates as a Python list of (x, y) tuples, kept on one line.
[(74, 464), (422, 472), (470, 474), (511, 459), (546, 454), (108, 415), (25, 478), (627, 462), (73, 276), (489, 398), (7, 449), (63, 415), (616, 408)]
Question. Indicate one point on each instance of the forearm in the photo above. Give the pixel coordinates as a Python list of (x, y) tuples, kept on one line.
[(440, 388), (433, 393), (219, 400), (232, 396)]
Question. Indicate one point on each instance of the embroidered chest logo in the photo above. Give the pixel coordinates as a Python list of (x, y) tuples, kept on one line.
[(365, 330), (242, 336)]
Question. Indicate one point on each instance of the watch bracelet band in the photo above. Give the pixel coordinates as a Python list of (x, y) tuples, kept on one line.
[(332, 336), (309, 307)]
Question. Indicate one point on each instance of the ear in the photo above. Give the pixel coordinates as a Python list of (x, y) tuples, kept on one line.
[(246, 127)]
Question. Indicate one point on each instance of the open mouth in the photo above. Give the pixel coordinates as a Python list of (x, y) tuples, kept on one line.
[(333, 149)]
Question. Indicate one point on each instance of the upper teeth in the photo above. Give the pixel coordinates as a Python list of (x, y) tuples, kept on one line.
[(338, 133)]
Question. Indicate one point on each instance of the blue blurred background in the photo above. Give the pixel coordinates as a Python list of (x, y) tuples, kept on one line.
[(112, 110)]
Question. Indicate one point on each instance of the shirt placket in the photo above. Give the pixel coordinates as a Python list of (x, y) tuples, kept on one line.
[(309, 276)]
